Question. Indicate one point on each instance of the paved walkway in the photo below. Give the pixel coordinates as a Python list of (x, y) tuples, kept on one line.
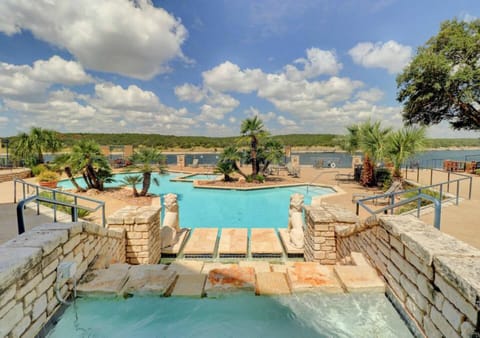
[(459, 221)]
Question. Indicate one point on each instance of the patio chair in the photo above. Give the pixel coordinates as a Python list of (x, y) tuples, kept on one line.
[(195, 163), (293, 171), (395, 187)]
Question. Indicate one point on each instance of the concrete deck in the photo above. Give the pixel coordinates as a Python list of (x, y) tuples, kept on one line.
[(233, 243), (201, 243), (265, 243)]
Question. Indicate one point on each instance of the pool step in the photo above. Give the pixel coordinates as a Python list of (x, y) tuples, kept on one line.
[(201, 244), (194, 278), (264, 243)]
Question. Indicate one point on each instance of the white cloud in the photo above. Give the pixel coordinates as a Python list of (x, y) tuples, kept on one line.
[(389, 55), (318, 62), (252, 111), (371, 95), (132, 38), (31, 83), (133, 98), (229, 77), (189, 92), (286, 122), (58, 70)]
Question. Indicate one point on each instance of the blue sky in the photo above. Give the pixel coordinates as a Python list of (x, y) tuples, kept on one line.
[(199, 67)]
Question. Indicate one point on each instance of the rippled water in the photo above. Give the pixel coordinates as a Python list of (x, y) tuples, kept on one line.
[(244, 315)]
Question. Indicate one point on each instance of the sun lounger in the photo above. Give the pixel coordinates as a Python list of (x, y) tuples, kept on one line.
[(195, 163), (293, 170)]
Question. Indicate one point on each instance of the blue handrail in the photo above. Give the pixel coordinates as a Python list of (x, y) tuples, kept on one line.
[(437, 203), (36, 197)]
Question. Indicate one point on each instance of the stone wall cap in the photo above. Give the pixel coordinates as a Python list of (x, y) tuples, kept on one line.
[(73, 228), (15, 261), (398, 224), (463, 273), (327, 213), (430, 242), (46, 240)]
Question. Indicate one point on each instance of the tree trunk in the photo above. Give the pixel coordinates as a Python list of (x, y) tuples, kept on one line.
[(93, 177), (146, 183), (87, 180), (72, 179), (238, 170), (253, 156), (135, 191), (367, 172)]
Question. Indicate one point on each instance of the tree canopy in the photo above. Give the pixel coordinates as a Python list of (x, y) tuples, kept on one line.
[(442, 82)]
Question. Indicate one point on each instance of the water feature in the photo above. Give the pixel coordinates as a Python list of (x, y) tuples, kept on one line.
[(242, 315)]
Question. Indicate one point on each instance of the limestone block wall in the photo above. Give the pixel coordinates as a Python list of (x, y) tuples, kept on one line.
[(435, 277), (28, 270), (142, 228), (321, 220)]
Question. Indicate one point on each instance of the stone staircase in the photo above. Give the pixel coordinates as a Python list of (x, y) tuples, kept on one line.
[(194, 278)]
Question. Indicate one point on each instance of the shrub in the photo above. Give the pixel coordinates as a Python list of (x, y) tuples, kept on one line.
[(38, 169), (382, 176), (48, 176), (477, 171)]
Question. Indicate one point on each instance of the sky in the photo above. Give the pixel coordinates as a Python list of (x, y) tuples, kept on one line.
[(200, 67)]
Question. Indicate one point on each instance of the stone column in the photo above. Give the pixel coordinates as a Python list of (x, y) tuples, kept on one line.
[(356, 160), (295, 161), (320, 241), (181, 161), (142, 227)]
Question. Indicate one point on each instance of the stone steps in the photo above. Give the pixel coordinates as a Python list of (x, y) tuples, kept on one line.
[(193, 278)]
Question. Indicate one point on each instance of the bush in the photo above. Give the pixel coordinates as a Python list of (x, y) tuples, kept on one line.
[(383, 176), (477, 171), (48, 176), (38, 169)]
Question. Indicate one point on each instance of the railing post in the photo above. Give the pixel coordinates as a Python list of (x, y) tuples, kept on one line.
[(418, 174), (458, 190), (438, 215), (357, 208), (431, 176), (23, 190), (441, 194), (103, 214), (38, 202), (74, 214), (54, 197), (20, 220), (448, 181), (392, 202), (406, 172), (15, 191), (470, 189)]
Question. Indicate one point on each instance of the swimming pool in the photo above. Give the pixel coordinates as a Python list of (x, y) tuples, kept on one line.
[(239, 315), (227, 208)]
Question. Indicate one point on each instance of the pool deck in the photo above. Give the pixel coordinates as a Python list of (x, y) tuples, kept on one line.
[(459, 221)]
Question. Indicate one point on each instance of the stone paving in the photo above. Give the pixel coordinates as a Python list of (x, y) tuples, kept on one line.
[(212, 279)]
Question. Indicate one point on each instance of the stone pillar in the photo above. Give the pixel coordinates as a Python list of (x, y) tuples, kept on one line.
[(181, 161), (142, 227), (295, 160), (105, 150), (356, 160), (295, 221), (127, 151), (320, 242)]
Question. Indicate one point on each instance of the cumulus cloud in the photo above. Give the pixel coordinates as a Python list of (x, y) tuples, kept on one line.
[(189, 92), (318, 62), (229, 77), (131, 38), (390, 55), (133, 98), (286, 122), (371, 95), (31, 83)]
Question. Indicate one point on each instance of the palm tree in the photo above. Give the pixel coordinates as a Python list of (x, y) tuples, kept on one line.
[(145, 159), (31, 147), (351, 143), (403, 144), (64, 161), (133, 180), (271, 152), (232, 155), (253, 128), (86, 158), (226, 169)]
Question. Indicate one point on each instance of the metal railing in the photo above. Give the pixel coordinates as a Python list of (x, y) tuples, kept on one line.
[(32, 193), (318, 176), (392, 205), (448, 182)]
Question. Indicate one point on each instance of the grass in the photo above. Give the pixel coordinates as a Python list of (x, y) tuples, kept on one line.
[(62, 198), (423, 202)]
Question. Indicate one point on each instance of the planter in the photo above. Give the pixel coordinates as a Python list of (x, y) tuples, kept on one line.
[(51, 184)]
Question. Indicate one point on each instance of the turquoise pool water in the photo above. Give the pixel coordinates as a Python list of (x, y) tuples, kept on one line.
[(304, 315), (208, 177), (227, 208)]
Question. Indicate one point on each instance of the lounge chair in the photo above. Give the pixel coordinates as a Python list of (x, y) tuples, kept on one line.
[(385, 198), (195, 163), (293, 171)]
